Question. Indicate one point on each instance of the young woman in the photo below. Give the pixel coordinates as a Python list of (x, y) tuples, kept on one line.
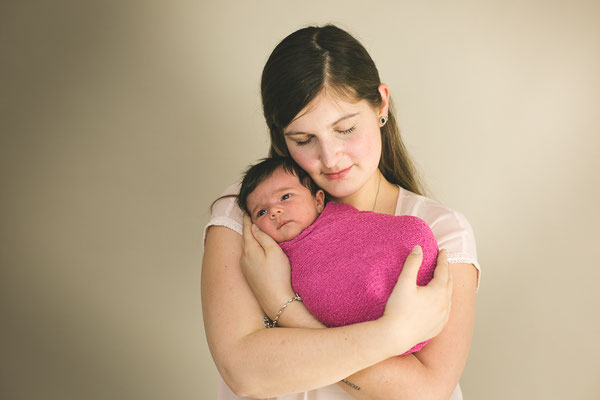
[(326, 108)]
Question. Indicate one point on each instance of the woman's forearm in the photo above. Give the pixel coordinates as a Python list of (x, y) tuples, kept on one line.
[(260, 362), (300, 359), (396, 377), (433, 373)]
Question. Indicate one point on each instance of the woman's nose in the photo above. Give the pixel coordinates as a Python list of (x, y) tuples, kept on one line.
[(331, 151)]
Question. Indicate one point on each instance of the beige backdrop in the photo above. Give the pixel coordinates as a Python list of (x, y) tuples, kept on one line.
[(121, 121)]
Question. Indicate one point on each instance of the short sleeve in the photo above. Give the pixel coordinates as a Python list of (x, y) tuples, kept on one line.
[(225, 211), (454, 233), (451, 229)]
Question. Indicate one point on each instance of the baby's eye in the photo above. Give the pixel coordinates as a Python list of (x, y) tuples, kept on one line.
[(261, 213), (286, 196)]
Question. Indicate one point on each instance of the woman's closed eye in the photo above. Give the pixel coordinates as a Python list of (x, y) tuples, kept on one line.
[(309, 139), (303, 142), (347, 131)]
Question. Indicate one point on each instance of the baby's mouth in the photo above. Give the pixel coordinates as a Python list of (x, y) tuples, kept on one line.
[(282, 223)]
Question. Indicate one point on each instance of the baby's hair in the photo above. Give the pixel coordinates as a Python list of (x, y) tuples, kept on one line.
[(258, 173)]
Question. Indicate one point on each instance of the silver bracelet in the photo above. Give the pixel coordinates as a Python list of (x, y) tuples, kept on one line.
[(272, 324)]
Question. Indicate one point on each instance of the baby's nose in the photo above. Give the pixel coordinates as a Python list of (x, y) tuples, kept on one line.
[(275, 211)]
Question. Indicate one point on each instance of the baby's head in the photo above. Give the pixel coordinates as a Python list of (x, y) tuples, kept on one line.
[(280, 198)]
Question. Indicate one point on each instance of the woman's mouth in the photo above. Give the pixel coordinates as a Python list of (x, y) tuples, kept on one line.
[(338, 174)]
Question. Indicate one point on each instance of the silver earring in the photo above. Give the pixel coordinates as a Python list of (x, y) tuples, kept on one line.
[(382, 120)]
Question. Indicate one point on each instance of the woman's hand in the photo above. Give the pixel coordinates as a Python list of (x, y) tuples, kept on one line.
[(425, 309), (266, 268)]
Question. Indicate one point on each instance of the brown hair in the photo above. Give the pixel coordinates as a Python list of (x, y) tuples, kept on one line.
[(313, 59), (258, 173)]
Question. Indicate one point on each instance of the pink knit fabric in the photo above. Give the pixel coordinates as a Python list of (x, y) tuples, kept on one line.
[(345, 265)]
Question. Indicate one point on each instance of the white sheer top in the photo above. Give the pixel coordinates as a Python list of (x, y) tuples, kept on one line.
[(451, 229)]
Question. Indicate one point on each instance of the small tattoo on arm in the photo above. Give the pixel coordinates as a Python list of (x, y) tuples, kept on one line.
[(352, 385)]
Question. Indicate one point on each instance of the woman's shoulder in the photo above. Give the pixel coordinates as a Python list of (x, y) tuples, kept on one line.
[(225, 211), (432, 211)]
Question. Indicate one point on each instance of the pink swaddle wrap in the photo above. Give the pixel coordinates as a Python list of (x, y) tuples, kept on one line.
[(345, 265)]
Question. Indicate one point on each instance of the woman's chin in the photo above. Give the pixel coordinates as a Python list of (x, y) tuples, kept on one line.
[(341, 193), (339, 189)]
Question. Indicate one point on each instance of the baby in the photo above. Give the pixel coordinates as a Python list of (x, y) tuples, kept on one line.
[(344, 262)]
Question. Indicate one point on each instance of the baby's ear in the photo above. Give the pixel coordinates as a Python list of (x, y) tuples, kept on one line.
[(320, 200)]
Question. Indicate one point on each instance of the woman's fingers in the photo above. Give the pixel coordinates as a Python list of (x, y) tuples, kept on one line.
[(262, 238), (248, 240), (252, 253), (266, 267), (254, 237), (410, 270), (426, 309), (246, 226), (442, 278), (450, 284), (440, 274)]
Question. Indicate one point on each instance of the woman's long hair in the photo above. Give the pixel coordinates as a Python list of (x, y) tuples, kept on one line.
[(313, 59)]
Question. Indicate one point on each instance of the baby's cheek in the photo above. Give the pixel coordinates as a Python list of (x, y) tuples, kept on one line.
[(263, 227)]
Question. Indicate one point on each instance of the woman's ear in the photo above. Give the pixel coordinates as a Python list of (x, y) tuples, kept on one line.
[(384, 92), (320, 200)]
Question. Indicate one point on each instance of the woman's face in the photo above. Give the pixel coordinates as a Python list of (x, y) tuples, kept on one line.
[(338, 142)]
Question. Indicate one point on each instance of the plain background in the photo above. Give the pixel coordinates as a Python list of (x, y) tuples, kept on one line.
[(121, 121)]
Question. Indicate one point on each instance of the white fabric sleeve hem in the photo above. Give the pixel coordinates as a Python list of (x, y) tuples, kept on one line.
[(222, 221), (463, 258)]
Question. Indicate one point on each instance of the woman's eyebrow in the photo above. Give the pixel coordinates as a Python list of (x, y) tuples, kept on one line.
[(343, 118), (291, 133)]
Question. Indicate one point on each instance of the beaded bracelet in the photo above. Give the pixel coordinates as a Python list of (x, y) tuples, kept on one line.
[(272, 324)]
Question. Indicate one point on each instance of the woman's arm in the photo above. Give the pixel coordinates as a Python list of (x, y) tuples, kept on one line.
[(260, 362), (433, 372)]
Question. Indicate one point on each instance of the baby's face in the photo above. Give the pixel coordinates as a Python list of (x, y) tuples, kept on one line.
[(282, 208)]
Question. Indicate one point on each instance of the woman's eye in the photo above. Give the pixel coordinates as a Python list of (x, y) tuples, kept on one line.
[(303, 142), (261, 213), (347, 131), (286, 196)]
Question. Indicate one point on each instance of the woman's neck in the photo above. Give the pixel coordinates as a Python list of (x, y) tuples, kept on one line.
[(377, 195)]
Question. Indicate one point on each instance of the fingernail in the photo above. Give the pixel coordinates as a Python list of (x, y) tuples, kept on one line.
[(416, 250), (254, 228)]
